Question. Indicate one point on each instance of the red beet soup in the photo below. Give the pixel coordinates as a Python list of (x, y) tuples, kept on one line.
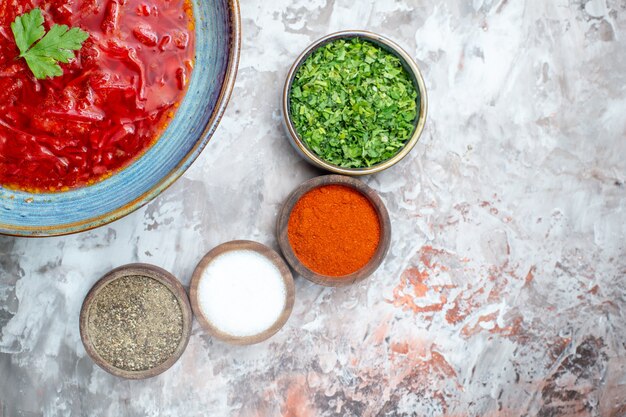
[(111, 103)]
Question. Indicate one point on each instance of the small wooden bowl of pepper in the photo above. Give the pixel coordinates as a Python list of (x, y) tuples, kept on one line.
[(135, 322), (334, 230)]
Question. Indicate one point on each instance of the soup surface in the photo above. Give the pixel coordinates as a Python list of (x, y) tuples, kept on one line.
[(111, 103)]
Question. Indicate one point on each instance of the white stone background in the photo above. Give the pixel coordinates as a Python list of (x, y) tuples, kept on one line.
[(504, 293)]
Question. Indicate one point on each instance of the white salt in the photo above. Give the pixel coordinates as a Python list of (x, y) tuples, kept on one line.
[(242, 293)]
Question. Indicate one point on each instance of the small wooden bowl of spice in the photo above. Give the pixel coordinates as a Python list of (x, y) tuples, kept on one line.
[(334, 230), (135, 322), (242, 292), (354, 103)]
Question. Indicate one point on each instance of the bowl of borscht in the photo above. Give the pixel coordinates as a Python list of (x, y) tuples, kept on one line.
[(105, 103)]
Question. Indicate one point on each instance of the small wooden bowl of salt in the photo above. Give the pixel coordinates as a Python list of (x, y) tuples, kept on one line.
[(242, 292)]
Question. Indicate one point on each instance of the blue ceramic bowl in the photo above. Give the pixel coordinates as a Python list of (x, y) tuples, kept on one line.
[(217, 56)]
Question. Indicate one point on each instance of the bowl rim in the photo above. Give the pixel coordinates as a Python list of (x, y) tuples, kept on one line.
[(282, 226), (176, 172), (150, 271), (388, 45), (268, 253)]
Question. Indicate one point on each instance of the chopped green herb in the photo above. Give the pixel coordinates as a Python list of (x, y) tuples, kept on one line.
[(353, 103), (56, 46)]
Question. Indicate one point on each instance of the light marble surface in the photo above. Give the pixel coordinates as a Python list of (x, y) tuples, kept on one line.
[(504, 293)]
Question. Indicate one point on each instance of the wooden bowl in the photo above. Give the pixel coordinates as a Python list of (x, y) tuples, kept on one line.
[(164, 278), (268, 253), (283, 224), (409, 65)]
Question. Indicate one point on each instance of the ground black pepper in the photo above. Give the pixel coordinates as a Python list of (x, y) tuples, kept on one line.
[(135, 323)]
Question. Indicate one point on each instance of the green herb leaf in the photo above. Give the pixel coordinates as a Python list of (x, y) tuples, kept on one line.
[(43, 67), (56, 46), (353, 103), (27, 29)]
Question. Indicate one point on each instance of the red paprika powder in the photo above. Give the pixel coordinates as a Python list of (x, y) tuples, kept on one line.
[(334, 230)]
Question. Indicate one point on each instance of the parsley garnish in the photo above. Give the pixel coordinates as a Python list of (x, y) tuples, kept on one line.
[(353, 103), (56, 46)]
